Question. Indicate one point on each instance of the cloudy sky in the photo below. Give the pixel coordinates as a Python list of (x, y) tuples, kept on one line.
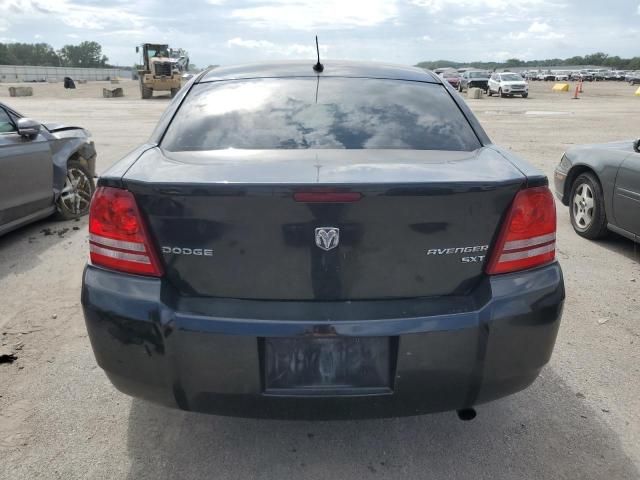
[(399, 31)]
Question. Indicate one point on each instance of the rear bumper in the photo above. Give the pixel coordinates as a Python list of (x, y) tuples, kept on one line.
[(451, 352), (478, 84)]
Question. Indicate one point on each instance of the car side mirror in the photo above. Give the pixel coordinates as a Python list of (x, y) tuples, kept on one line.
[(636, 145), (28, 127)]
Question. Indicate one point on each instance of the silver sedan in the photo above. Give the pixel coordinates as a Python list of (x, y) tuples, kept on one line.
[(45, 169)]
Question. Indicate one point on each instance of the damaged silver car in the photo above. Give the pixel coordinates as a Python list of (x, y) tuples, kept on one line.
[(45, 169)]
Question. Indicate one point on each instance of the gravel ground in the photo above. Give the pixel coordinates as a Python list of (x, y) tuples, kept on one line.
[(60, 417)]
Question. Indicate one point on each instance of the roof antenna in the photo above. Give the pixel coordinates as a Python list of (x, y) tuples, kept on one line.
[(318, 67)]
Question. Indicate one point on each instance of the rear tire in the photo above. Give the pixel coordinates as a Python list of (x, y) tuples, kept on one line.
[(146, 92), (76, 194), (587, 210)]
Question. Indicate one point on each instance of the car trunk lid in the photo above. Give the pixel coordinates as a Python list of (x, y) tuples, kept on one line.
[(233, 224)]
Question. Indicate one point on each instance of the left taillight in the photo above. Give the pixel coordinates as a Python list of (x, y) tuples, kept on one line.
[(118, 237)]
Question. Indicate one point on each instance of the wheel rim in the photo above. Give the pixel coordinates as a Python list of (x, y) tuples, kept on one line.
[(583, 207), (76, 194)]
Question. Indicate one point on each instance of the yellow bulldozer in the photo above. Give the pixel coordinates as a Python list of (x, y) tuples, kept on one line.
[(162, 69)]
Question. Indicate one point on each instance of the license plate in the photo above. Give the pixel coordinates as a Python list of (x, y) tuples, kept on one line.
[(326, 363)]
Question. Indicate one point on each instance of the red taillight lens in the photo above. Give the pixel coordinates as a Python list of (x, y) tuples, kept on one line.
[(528, 235), (118, 238)]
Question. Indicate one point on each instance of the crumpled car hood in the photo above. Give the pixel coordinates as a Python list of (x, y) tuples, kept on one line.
[(56, 127), (60, 130)]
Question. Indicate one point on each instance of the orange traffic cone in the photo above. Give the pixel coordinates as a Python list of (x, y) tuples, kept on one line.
[(580, 85), (575, 95)]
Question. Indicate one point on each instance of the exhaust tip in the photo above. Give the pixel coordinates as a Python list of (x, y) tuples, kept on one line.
[(466, 414)]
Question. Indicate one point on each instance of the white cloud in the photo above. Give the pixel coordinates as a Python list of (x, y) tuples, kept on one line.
[(434, 6), (517, 35), (539, 27), (538, 30), (470, 20), (315, 14), (270, 48), (399, 31), (75, 15), (240, 42), (553, 36)]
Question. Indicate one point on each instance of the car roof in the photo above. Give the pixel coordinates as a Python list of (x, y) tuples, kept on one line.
[(332, 68)]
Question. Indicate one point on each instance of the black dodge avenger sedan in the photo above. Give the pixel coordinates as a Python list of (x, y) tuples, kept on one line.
[(345, 243)]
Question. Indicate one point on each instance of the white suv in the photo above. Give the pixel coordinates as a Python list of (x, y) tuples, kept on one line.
[(508, 84)]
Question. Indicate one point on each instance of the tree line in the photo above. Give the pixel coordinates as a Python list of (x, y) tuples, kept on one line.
[(596, 59), (85, 54)]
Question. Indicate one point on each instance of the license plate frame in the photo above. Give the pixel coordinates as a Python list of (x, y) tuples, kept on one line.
[(331, 365)]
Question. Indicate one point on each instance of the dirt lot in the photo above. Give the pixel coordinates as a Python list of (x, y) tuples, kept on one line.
[(60, 417)]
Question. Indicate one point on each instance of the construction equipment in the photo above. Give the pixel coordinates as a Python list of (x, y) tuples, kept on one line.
[(162, 69)]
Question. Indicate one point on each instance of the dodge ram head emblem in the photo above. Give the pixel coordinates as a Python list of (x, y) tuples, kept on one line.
[(327, 238)]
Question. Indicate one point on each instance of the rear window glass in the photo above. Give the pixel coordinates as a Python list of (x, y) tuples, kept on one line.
[(294, 113), (511, 77)]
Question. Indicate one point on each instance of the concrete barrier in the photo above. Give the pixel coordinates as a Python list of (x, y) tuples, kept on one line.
[(81, 82), (474, 93), (115, 81), (561, 87), (116, 92), (20, 91)]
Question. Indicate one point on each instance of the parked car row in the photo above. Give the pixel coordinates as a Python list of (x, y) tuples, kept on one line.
[(469, 79), (584, 75), (504, 84), (633, 78)]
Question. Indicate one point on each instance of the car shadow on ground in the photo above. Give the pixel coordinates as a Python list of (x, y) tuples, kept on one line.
[(622, 246), (22, 250), (545, 432)]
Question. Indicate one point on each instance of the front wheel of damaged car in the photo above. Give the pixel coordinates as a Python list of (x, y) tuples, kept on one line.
[(588, 216), (75, 198)]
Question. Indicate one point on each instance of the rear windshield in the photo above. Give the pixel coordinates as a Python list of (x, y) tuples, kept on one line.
[(292, 113), (511, 77)]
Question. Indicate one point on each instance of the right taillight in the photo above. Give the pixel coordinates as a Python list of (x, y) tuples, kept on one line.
[(528, 235), (118, 238)]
